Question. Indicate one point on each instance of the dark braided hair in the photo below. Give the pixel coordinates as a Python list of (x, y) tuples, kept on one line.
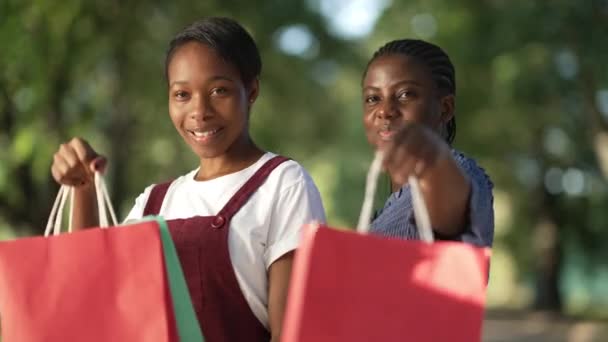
[(438, 62), (228, 38)]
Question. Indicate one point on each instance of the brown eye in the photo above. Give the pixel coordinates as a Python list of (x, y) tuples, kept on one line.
[(405, 95), (219, 91), (180, 95), (371, 99)]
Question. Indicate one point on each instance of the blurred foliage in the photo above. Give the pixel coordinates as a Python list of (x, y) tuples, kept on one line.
[(532, 108)]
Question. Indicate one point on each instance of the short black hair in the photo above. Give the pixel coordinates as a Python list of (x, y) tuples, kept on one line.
[(439, 63), (228, 38)]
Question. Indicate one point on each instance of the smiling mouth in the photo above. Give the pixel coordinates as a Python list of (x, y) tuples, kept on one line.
[(204, 135), (386, 134)]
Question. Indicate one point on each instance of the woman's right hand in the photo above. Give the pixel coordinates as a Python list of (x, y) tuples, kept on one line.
[(75, 163)]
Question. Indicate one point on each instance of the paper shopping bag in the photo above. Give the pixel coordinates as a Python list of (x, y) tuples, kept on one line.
[(94, 285), (350, 286), (115, 284)]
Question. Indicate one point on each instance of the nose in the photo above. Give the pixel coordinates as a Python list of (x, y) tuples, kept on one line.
[(387, 110), (200, 110)]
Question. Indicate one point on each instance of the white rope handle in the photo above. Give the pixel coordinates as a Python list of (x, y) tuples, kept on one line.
[(106, 196), (67, 192), (50, 222), (421, 214), (103, 205), (370, 191)]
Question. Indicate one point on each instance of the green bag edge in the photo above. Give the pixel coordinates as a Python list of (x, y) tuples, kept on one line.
[(187, 324)]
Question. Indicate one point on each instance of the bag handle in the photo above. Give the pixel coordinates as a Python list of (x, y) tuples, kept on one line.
[(421, 213), (103, 206)]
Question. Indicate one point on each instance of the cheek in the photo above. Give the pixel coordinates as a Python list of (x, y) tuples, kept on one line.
[(434, 114), (368, 119), (240, 100), (425, 113), (368, 125), (174, 114), (244, 108), (237, 110), (236, 105)]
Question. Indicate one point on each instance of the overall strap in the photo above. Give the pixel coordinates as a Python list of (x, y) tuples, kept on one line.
[(245, 192), (155, 200)]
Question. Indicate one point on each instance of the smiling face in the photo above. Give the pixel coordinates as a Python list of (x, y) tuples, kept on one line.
[(208, 102), (398, 90)]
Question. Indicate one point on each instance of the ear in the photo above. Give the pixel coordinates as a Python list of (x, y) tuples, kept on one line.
[(447, 107), (253, 91)]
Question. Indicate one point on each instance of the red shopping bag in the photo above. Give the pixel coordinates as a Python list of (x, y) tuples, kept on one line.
[(115, 284), (348, 286), (94, 285)]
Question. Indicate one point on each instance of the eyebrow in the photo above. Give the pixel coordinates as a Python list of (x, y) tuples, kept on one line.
[(214, 78), (396, 84)]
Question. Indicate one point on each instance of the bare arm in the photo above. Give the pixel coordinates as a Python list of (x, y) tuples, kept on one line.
[(85, 207), (446, 189), (278, 285)]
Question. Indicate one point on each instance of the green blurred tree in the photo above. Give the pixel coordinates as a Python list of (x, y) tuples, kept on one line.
[(95, 69), (532, 107)]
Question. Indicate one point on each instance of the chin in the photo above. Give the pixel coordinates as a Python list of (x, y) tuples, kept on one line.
[(208, 153), (376, 142), (373, 142)]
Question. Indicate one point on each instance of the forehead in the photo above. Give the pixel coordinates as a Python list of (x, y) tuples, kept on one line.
[(194, 59), (395, 68)]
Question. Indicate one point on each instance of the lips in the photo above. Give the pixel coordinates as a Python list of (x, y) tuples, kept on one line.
[(203, 135), (386, 133)]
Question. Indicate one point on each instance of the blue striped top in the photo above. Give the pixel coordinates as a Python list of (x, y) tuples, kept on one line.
[(396, 219)]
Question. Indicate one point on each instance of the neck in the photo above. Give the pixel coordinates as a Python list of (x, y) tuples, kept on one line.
[(238, 157), (394, 186)]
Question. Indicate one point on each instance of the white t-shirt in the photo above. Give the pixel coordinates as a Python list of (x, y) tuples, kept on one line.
[(266, 227)]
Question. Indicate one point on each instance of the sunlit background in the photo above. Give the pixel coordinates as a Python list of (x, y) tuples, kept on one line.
[(532, 109)]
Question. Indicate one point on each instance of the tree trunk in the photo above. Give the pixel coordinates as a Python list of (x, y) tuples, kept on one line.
[(548, 252)]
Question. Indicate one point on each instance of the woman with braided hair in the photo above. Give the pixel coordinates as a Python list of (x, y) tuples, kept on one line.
[(409, 90)]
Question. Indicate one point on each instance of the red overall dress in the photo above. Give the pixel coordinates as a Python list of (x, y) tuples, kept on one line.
[(202, 246)]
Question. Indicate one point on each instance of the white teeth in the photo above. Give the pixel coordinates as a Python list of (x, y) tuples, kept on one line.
[(205, 133)]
